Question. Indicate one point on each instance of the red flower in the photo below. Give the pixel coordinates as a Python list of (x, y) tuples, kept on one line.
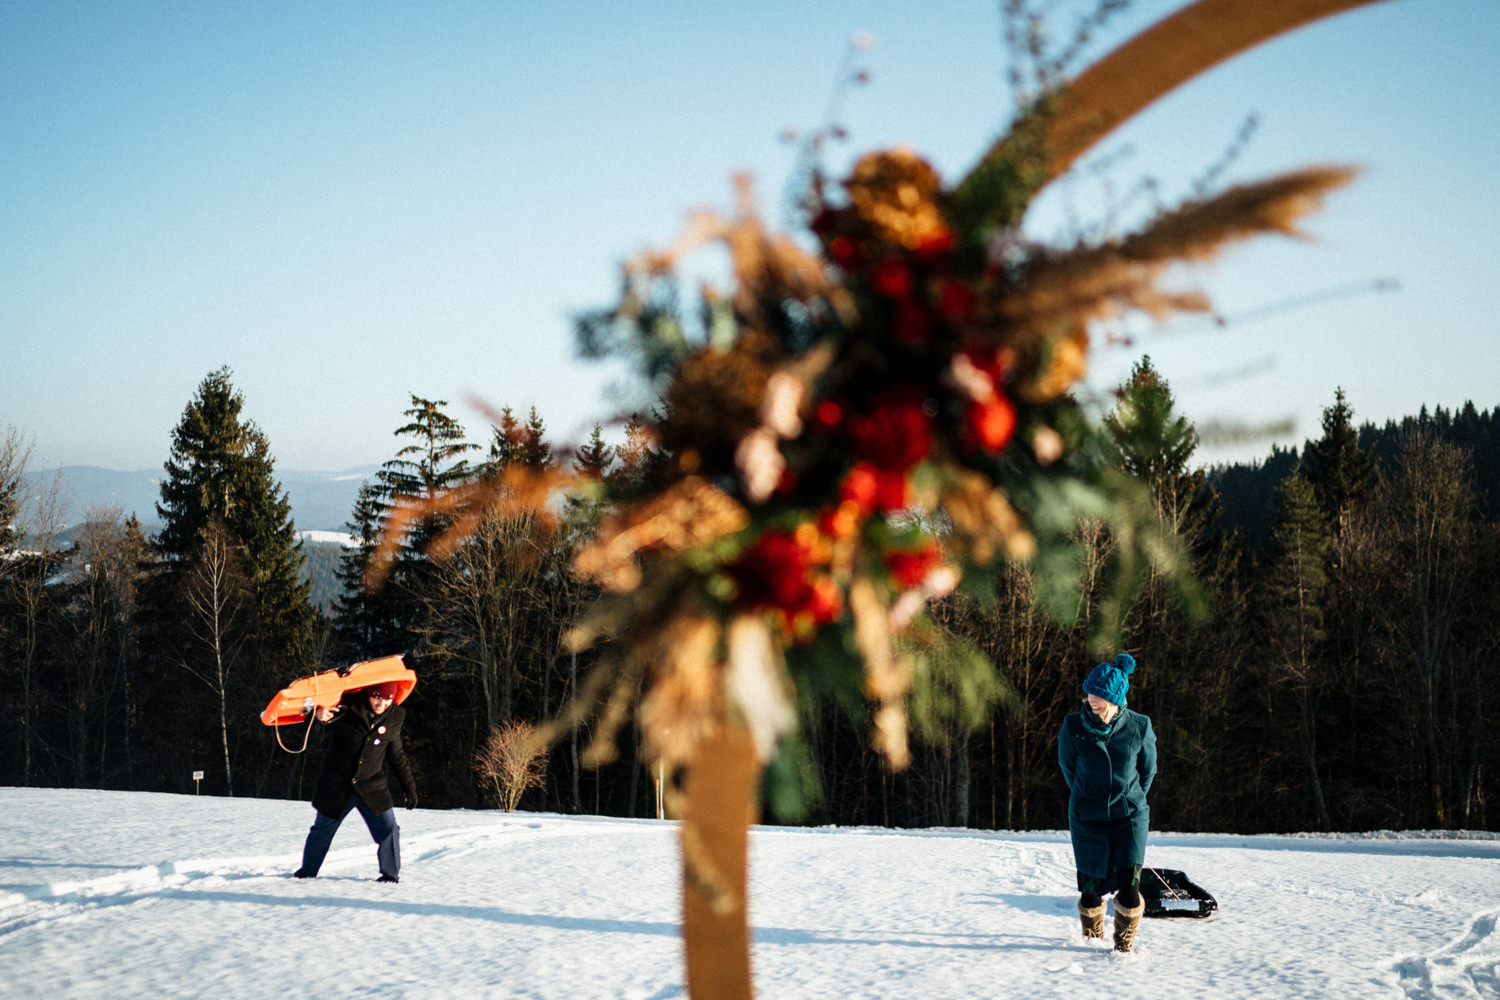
[(827, 602), (844, 252), (890, 491), (991, 423), (773, 573), (910, 567), (777, 573), (860, 487), (912, 323), (956, 300), (988, 362), (936, 246), (895, 435), (891, 279)]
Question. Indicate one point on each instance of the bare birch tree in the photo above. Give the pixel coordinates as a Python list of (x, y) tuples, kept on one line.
[(218, 604)]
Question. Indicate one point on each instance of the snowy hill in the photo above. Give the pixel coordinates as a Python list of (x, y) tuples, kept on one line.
[(119, 895)]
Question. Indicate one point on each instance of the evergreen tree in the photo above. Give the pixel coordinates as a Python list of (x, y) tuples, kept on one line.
[(515, 443), (366, 624), (594, 458), (388, 619), (13, 457), (221, 470), (1155, 445), (229, 605), (433, 461), (1295, 586), (1340, 472)]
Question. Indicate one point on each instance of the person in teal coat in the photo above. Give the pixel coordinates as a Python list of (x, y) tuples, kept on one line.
[(1108, 758)]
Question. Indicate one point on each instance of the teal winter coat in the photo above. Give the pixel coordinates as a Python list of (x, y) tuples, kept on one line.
[(1109, 770)]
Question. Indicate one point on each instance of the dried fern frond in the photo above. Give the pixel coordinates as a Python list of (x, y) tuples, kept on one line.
[(516, 490), (1054, 303), (1198, 230), (691, 513), (685, 703), (765, 265), (887, 675), (985, 520)]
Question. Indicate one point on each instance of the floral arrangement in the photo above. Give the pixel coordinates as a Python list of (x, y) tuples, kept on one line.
[(867, 417)]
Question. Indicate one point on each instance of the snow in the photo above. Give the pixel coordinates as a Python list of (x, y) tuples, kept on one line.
[(125, 894), (343, 538)]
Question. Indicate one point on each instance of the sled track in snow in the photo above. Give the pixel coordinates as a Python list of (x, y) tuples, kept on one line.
[(40, 905), (1465, 969)]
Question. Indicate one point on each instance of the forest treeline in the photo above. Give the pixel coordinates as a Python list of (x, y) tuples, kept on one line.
[(1336, 670)]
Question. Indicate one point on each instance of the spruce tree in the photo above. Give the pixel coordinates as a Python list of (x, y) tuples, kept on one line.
[(1295, 592), (433, 461), (229, 606), (1155, 444), (594, 458), (1340, 471), (365, 622), (221, 470), (515, 443), (388, 619)]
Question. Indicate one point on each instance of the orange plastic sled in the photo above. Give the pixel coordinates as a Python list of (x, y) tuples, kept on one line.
[(296, 701)]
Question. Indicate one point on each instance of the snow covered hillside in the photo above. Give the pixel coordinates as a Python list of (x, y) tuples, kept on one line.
[(120, 895)]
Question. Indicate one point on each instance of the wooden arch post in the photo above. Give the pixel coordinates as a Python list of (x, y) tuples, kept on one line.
[(718, 810)]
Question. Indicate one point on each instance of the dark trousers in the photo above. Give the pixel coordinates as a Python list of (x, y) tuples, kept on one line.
[(383, 830)]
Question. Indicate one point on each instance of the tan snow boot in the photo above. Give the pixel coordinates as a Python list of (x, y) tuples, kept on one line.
[(1127, 922), (1093, 920)]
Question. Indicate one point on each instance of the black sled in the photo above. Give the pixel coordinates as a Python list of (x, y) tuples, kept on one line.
[(1170, 893)]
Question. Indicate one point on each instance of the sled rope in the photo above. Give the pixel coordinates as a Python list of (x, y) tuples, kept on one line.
[(306, 734), (311, 717)]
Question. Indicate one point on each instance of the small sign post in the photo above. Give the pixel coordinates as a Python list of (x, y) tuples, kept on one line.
[(197, 777)]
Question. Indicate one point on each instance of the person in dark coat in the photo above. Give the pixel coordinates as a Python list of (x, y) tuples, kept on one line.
[(364, 746), (1108, 758)]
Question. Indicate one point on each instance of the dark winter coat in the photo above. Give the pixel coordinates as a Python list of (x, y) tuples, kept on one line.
[(359, 746), (1109, 770)]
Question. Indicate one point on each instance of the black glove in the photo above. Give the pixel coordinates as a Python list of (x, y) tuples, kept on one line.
[(410, 799)]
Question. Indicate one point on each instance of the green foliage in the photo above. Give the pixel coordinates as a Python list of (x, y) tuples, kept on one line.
[(221, 471), (432, 460), (1300, 539), (1340, 471)]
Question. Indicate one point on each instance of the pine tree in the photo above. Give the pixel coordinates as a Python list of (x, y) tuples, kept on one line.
[(594, 458), (1155, 445), (365, 622), (515, 443), (1340, 471), (1295, 586), (388, 620), (229, 606), (221, 470), (434, 460)]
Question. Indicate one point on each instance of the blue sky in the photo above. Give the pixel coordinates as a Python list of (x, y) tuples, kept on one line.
[(348, 203)]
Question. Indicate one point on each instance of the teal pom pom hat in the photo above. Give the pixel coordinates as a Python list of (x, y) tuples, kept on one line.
[(1111, 681)]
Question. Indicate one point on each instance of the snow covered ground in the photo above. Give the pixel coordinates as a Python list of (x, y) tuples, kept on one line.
[(119, 895)]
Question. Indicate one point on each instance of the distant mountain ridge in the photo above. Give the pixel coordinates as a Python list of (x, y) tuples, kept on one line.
[(321, 501)]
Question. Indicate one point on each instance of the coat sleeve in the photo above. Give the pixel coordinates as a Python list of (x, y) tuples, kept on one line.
[(1067, 754), (395, 755), (1146, 760)]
